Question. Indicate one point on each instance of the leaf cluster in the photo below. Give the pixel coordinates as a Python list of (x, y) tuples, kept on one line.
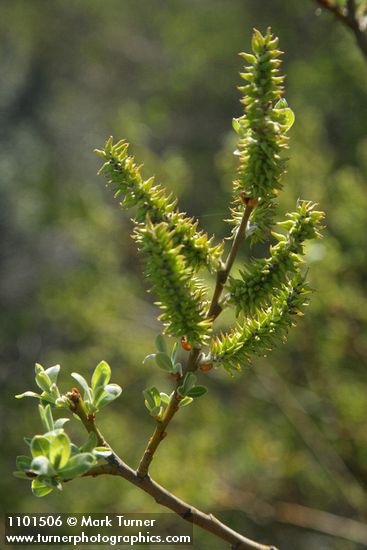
[(54, 458)]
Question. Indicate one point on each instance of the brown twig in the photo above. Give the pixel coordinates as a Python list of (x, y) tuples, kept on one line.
[(117, 467), (348, 17)]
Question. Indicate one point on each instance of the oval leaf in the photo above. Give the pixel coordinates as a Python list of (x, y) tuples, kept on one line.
[(197, 391), (59, 423), (84, 384), (27, 394), (78, 465), (102, 452), (39, 489), (23, 462), (163, 361), (49, 418), (101, 375), (53, 373), (185, 401), (160, 344), (150, 356), (41, 466), (43, 381), (164, 398), (90, 444), (289, 119), (21, 475), (60, 450), (40, 446)]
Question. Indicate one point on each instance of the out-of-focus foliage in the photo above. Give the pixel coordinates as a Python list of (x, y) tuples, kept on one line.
[(292, 427)]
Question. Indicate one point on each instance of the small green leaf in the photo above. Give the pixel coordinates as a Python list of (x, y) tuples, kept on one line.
[(44, 421), (38, 368), (113, 391), (178, 369), (188, 383), (43, 381), (197, 391), (90, 407), (60, 450), (289, 119), (149, 399), (21, 475), (185, 401), (101, 375), (42, 467), (155, 411), (165, 398), (84, 384), (59, 423), (53, 373), (174, 353), (236, 125), (78, 465), (62, 402), (163, 361), (74, 449), (28, 394), (160, 344), (156, 396), (40, 446), (90, 444), (23, 462), (55, 391), (39, 488), (150, 356), (49, 418), (102, 452), (281, 104)]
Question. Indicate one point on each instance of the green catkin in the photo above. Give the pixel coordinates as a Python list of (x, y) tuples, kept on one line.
[(256, 286), (124, 177), (259, 334), (270, 291), (181, 296), (262, 131)]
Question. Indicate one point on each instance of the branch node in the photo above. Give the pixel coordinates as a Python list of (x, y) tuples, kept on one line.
[(188, 514)]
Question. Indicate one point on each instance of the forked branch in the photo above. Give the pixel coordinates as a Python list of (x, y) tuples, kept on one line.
[(117, 467), (214, 310)]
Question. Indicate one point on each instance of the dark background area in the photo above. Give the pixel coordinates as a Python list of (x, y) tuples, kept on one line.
[(287, 433)]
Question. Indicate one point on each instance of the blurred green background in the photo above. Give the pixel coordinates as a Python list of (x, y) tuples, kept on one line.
[(282, 440)]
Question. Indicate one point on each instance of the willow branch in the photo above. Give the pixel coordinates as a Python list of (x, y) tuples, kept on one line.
[(349, 18), (222, 274), (214, 310), (77, 406), (160, 431), (118, 467)]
